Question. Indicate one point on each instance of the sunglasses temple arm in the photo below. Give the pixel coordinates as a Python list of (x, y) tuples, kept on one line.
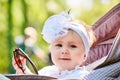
[(33, 65)]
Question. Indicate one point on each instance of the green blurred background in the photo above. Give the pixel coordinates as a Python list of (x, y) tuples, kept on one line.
[(16, 15)]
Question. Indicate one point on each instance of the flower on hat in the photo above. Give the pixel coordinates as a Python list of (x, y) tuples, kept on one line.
[(54, 26)]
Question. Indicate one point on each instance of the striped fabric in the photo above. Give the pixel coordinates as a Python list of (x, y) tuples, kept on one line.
[(109, 72)]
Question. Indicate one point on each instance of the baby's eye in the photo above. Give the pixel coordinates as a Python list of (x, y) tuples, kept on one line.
[(58, 45), (73, 46)]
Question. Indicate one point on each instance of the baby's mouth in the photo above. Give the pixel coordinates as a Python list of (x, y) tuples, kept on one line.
[(64, 58)]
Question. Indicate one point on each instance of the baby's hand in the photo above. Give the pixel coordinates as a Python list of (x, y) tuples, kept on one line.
[(17, 68)]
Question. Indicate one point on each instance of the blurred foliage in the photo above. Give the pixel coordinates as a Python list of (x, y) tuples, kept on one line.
[(33, 13)]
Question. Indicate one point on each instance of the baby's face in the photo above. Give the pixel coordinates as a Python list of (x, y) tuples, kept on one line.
[(68, 51)]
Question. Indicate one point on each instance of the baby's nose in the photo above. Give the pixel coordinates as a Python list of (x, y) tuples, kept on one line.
[(65, 51)]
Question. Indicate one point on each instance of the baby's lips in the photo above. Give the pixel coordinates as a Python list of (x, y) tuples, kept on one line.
[(64, 58)]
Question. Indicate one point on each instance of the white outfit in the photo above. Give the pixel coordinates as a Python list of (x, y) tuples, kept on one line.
[(77, 73)]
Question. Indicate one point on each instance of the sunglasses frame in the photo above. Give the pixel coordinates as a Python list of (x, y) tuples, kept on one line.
[(18, 52)]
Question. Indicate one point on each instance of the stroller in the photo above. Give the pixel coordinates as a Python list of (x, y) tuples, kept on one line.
[(104, 56)]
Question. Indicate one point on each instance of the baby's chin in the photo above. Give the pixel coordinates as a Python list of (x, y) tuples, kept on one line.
[(67, 67)]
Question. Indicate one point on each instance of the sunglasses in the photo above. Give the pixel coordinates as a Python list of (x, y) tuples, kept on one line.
[(18, 53)]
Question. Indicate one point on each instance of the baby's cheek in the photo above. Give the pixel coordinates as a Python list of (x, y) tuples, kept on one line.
[(53, 56), (78, 57)]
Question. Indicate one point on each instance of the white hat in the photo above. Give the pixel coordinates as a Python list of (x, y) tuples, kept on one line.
[(58, 25)]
